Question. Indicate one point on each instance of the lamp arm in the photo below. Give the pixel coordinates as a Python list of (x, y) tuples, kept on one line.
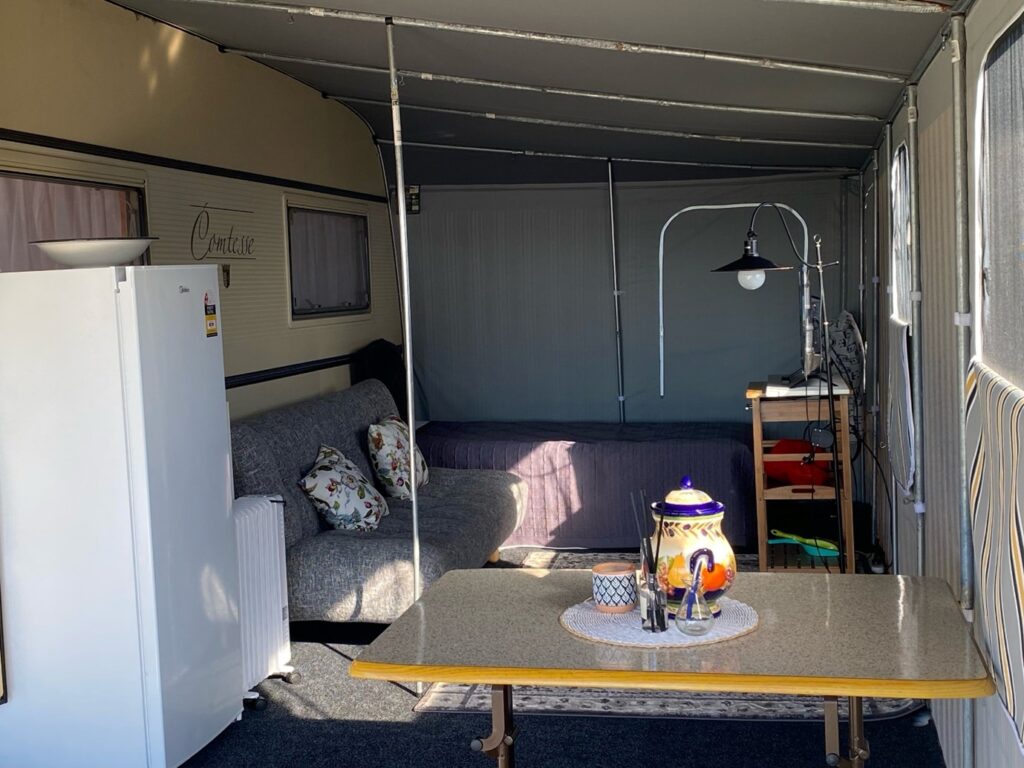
[(661, 264)]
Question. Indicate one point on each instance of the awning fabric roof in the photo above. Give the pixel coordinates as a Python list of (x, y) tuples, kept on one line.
[(880, 40)]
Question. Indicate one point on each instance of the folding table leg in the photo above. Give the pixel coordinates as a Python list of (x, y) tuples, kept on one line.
[(832, 757), (859, 751), (500, 744)]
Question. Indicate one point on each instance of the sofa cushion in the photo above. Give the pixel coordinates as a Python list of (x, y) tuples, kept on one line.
[(367, 575), (272, 451), (342, 494), (389, 454)]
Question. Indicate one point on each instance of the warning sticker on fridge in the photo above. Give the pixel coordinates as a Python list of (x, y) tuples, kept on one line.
[(211, 319)]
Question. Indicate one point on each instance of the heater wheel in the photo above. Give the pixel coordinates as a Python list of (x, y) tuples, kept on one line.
[(257, 704)]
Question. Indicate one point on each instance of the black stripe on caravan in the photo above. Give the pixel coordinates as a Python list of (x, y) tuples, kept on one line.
[(284, 371), (51, 142)]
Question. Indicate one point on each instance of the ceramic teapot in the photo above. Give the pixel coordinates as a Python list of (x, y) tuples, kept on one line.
[(691, 526)]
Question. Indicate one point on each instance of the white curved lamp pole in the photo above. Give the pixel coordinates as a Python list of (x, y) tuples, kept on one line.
[(749, 281)]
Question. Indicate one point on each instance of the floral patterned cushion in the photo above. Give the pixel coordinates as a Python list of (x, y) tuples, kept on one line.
[(389, 454), (342, 494)]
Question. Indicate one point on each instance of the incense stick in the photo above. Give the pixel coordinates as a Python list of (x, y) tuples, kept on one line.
[(645, 547)]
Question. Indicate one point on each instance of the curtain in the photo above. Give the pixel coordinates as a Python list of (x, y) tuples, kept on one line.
[(39, 209), (329, 261), (900, 426), (1002, 312), (900, 251), (900, 419), (995, 422), (995, 400)]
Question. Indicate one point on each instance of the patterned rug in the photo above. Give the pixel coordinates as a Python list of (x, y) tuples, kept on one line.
[(534, 700), (673, 705)]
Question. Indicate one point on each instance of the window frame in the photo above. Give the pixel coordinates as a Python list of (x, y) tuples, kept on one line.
[(338, 208)]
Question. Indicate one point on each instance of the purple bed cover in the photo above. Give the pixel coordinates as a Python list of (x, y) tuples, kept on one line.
[(580, 474)]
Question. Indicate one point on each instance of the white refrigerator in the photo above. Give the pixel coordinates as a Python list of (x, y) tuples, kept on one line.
[(118, 561)]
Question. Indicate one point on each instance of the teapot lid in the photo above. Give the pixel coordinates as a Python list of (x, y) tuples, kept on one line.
[(687, 500)]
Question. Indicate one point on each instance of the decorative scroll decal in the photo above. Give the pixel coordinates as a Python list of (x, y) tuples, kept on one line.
[(214, 236)]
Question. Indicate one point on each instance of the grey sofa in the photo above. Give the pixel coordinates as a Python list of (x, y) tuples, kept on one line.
[(337, 575)]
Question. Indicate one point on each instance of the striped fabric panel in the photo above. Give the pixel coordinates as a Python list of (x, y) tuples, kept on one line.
[(995, 420)]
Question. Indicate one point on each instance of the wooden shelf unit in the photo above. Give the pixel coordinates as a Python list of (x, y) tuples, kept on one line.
[(768, 410)]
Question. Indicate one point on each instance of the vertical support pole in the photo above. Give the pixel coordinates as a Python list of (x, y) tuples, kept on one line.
[(958, 47), (844, 238), (861, 303), (616, 293), (917, 386), (403, 245), (874, 338), (891, 478), (861, 264)]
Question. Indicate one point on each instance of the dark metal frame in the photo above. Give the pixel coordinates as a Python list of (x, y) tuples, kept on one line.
[(52, 142)]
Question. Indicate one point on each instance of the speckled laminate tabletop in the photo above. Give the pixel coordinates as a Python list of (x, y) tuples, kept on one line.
[(846, 635)]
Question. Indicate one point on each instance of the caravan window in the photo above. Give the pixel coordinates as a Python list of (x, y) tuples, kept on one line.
[(1002, 204), (329, 258), (900, 250), (44, 208)]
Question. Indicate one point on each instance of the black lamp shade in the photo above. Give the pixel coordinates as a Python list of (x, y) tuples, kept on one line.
[(750, 260), (744, 263)]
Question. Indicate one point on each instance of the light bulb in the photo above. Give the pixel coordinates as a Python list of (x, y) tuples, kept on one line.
[(751, 279)]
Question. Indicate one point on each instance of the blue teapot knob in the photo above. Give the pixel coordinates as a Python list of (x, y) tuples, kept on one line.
[(686, 482)]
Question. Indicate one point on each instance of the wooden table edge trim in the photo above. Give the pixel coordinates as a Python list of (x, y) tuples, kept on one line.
[(681, 681)]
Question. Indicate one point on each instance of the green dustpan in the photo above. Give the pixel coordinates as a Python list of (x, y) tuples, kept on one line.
[(813, 547)]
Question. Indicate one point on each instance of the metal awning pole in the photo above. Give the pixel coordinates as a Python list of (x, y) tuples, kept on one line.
[(822, 169), (552, 90), (403, 250), (894, 529), (844, 238), (874, 337), (616, 294), (861, 289), (962, 320), (577, 124), (916, 384), (575, 41)]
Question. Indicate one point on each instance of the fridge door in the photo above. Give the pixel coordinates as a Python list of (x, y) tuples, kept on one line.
[(180, 459), (67, 567)]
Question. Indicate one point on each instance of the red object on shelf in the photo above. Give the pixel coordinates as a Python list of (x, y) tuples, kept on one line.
[(796, 472)]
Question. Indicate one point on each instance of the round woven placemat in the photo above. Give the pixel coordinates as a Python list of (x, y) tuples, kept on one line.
[(584, 620)]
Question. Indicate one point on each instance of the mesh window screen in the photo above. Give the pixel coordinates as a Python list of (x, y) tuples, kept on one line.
[(1002, 312)]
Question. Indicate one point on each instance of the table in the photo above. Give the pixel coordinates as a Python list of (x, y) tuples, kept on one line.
[(819, 635)]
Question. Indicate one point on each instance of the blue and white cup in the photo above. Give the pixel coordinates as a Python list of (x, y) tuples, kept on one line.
[(614, 587)]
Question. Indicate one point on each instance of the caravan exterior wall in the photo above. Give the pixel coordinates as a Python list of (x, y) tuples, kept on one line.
[(246, 143)]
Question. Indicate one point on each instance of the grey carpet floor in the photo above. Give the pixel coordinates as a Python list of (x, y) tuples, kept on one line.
[(330, 720)]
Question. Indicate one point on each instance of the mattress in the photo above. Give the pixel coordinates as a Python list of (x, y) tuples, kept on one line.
[(580, 474)]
